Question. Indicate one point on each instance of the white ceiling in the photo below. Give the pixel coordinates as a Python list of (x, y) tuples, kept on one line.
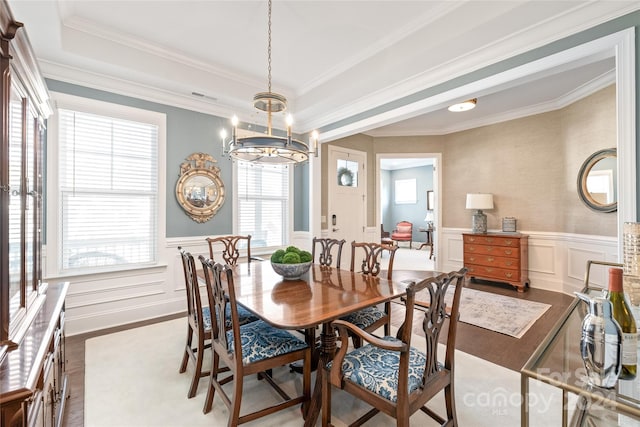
[(331, 59)]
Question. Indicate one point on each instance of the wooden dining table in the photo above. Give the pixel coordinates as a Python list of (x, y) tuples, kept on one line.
[(320, 296)]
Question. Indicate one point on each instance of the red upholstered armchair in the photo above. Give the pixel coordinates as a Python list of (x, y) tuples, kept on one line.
[(403, 232)]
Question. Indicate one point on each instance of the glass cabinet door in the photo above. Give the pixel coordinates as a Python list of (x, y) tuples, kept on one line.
[(16, 217), (24, 204)]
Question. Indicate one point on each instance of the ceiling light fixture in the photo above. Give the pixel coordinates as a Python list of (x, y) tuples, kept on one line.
[(464, 106), (268, 148)]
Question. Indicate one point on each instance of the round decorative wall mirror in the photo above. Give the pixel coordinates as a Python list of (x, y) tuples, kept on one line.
[(199, 189), (597, 181)]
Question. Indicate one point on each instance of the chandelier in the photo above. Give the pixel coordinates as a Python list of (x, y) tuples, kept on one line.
[(268, 148)]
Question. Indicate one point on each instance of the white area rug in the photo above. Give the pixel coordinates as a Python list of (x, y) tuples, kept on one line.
[(132, 380), (499, 313)]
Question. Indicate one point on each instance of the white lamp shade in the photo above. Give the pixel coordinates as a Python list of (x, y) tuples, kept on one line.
[(429, 217), (479, 201)]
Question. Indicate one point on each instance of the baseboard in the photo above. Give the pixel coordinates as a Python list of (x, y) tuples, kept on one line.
[(76, 325)]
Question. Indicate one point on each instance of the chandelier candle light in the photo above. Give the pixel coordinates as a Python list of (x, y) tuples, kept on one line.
[(268, 148), (479, 202)]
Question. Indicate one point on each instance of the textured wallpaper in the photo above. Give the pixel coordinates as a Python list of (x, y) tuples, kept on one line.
[(530, 165)]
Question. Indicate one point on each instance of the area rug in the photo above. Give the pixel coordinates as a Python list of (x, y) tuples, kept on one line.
[(132, 379), (499, 313)]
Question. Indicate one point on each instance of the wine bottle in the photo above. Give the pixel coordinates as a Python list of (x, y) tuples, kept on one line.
[(622, 315)]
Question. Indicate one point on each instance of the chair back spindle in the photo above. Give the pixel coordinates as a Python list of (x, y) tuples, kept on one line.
[(230, 251), (372, 254), (325, 257)]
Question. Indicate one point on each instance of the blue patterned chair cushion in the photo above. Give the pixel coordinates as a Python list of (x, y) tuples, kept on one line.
[(244, 317), (376, 369), (262, 341), (206, 318), (365, 317)]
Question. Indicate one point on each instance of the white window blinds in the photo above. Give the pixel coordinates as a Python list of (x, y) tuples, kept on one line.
[(108, 191), (263, 203)]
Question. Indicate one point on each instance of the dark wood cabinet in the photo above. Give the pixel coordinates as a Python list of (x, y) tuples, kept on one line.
[(499, 257), (33, 381)]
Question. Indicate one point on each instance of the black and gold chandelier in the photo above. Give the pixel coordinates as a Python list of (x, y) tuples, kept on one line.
[(268, 148)]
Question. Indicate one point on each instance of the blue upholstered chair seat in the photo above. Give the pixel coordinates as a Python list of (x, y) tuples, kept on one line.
[(365, 317), (244, 317), (376, 369), (261, 341)]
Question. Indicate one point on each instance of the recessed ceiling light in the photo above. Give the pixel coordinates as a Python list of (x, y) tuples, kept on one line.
[(463, 106)]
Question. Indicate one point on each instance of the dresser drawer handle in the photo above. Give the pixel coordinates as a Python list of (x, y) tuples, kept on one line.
[(472, 258), (488, 270), (491, 259), (489, 249), (489, 239), (508, 242), (472, 239), (508, 274), (508, 263), (508, 251), (471, 248)]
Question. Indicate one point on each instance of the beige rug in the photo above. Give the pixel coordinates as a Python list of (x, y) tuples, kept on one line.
[(499, 313), (132, 380)]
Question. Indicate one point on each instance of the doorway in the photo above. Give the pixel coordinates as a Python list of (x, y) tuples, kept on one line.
[(404, 181)]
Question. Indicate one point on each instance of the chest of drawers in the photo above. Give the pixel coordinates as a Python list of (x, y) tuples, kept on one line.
[(499, 257)]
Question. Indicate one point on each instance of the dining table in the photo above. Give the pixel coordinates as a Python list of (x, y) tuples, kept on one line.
[(318, 297)]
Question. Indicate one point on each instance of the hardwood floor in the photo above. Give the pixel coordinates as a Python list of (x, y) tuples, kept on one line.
[(500, 349)]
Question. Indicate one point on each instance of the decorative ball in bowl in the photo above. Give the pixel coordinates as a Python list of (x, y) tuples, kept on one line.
[(291, 263)]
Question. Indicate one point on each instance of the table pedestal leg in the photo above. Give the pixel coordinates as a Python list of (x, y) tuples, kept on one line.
[(327, 351)]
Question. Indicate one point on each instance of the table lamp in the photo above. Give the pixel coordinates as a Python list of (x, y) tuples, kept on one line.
[(479, 201), (429, 218)]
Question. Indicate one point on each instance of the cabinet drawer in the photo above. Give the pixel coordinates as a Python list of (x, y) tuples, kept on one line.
[(502, 251), (513, 242), (492, 261), (500, 274)]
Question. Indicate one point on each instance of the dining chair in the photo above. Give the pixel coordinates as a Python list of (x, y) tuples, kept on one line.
[(389, 373), (230, 251), (328, 249), (198, 323), (253, 348), (371, 318)]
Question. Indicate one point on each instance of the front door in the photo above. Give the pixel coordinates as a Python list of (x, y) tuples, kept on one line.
[(347, 203)]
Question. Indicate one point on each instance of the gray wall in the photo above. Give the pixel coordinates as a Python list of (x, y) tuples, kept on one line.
[(189, 132)]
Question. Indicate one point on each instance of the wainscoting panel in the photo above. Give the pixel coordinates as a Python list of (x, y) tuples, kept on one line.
[(104, 300), (98, 301), (557, 261)]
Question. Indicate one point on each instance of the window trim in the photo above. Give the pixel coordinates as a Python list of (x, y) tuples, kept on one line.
[(53, 218)]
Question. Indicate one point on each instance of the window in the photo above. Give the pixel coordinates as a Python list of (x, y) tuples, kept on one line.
[(262, 202), (108, 187), (405, 190)]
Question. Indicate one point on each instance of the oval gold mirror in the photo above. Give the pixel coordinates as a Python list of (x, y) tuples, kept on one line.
[(597, 181), (199, 189)]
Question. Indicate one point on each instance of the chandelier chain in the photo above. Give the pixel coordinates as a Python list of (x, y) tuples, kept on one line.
[(269, 47)]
